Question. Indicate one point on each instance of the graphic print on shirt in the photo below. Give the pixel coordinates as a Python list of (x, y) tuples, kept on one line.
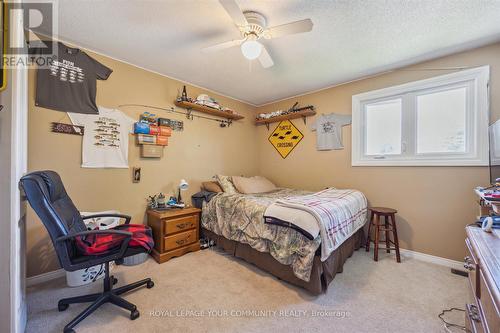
[(328, 127), (67, 71), (107, 132)]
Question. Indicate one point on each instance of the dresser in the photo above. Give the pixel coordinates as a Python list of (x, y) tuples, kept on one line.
[(175, 232), (482, 310)]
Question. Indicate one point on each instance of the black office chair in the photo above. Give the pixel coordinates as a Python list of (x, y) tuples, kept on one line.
[(48, 198)]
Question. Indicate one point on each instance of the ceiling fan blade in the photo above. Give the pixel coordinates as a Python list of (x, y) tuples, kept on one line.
[(223, 46), (290, 28), (265, 59), (234, 11)]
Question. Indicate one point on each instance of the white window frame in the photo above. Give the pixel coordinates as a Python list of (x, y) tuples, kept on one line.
[(476, 81)]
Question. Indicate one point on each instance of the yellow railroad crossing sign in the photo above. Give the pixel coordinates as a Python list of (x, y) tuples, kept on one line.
[(285, 138)]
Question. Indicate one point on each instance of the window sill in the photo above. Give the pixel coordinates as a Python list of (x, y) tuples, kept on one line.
[(435, 163)]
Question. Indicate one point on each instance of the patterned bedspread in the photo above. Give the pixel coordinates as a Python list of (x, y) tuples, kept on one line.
[(239, 217), (339, 214)]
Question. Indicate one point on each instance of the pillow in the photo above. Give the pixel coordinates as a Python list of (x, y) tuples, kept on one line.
[(211, 187), (226, 184), (251, 185)]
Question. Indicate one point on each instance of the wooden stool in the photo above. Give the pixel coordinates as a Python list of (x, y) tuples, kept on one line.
[(376, 213)]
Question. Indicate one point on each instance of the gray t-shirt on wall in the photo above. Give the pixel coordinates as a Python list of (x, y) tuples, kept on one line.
[(70, 83), (328, 129)]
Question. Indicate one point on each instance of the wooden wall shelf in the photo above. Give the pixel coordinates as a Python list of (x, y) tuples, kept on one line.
[(294, 115), (208, 110)]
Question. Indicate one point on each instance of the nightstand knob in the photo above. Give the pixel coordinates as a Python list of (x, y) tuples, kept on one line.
[(181, 226), (469, 266)]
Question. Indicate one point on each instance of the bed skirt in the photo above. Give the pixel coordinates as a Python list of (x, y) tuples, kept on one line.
[(322, 273)]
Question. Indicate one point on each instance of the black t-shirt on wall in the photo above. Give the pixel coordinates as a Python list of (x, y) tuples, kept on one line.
[(70, 83)]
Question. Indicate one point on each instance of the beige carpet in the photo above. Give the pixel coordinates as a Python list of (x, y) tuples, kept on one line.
[(208, 291)]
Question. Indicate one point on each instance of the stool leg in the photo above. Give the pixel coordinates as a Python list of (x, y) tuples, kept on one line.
[(377, 231), (367, 246), (387, 244), (395, 235)]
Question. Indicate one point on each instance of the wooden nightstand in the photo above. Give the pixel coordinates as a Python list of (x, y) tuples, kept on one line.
[(176, 232)]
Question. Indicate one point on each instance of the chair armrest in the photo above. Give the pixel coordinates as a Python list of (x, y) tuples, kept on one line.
[(126, 217), (89, 232), (123, 246)]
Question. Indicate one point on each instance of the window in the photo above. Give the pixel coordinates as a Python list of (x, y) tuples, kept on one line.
[(438, 121)]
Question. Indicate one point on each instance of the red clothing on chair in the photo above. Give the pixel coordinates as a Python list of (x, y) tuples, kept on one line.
[(100, 243)]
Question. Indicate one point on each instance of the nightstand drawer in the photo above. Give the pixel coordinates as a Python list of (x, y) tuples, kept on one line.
[(180, 239), (180, 224)]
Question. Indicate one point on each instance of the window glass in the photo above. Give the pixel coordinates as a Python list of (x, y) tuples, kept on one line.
[(383, 128), (441, 119)]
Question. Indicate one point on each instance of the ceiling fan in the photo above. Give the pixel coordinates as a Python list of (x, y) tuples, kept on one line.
[(252, 26)]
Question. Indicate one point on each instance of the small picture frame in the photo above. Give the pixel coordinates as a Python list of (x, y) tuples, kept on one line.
[(136, 175)]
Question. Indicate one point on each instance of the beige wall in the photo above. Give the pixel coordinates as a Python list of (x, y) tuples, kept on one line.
[(196, 154), (434, 203)]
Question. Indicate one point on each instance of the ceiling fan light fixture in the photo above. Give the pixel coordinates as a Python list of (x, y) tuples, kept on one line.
[(251, 49), (253, 27)]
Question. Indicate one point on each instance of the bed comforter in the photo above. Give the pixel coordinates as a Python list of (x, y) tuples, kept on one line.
[(239, 217)]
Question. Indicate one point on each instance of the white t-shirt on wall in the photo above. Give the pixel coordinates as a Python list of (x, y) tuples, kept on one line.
[(328, 129), (105, 138)]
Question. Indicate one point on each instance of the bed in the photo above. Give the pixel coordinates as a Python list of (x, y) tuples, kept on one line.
[(236, 223)]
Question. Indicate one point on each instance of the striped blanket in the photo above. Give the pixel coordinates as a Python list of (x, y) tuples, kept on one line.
[(339, 214)]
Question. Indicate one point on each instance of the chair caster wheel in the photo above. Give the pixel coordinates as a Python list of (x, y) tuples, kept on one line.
[(69, 330), (115, 281), (150, 284), (61, 307), (134, 315)]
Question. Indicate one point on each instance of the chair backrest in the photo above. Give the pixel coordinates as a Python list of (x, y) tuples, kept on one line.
[(48, 198)]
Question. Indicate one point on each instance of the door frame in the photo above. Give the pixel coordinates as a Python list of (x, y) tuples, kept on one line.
[(15, 98)]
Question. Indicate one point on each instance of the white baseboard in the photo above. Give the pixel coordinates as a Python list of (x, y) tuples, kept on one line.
[(432, 259), (37, 279)]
